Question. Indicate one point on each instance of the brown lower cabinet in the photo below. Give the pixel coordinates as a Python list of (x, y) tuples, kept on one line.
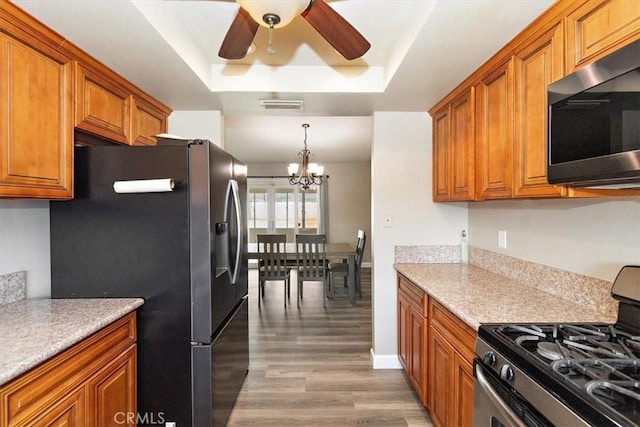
[(450, 359), (90, 384), (435, 348), (412, 335)]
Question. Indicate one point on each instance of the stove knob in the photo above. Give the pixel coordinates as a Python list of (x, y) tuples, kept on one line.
[(489, 358), (506, 373)]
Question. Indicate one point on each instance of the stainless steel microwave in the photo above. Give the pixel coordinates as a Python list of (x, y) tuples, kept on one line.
[(594, 123)]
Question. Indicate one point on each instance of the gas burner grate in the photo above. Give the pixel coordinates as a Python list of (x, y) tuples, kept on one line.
[(561, 341), (621, 396), (599, 369)]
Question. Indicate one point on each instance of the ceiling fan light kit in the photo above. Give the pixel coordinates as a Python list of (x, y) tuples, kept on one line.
[(339, 33), (283, 10)]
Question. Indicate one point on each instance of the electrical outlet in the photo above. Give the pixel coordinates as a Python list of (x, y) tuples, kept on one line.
[(502, 239)]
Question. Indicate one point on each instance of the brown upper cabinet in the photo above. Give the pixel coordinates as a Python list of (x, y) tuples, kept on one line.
[(453, 148), (536, 65), (51, 89), (102, 106), (596, 28), (36, 128), (107, 108), (507, 120), (147, 119), (494, 133)]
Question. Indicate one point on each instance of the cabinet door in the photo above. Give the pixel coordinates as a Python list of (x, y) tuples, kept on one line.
[(102, 107), (494, 133), (441, 166), (536, 66), (147, 122), (417, 360), (36, 127), (463, 386), (462, 147), (440, 365), (404, 341), (69, 411), (599, 27), (112, 392)]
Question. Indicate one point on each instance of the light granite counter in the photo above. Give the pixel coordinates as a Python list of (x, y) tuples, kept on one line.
[(477, 296), (34, 330)]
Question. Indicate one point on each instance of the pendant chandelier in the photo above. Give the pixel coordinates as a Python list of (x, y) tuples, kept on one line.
[(310, 173)]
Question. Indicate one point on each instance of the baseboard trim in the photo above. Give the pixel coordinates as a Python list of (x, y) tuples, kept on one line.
[(387, 361)]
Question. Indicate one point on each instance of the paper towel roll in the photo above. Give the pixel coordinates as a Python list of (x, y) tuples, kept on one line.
[(144, 186)]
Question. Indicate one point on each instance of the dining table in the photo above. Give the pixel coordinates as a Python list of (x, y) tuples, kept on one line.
[(337, 250)]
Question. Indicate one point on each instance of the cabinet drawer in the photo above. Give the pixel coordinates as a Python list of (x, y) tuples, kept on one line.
[(415, 296), (458, 333), (52, 380)]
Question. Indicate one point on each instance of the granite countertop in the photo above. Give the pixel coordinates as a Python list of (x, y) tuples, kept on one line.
[(477, 296), (34, 330)]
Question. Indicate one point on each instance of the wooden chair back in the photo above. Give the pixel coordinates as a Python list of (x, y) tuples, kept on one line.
[(272, 256), (362, 239), (312, 256)]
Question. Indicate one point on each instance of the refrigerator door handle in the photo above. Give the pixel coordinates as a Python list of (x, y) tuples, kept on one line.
[(235, 194)]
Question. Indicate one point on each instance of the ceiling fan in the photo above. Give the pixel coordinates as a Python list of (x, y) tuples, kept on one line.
[(277, 13)]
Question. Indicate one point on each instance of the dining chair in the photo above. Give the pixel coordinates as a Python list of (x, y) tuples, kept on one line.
[(272, 261), (343, 267), (311, 258)]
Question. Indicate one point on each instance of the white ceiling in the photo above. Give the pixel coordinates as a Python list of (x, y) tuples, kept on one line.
[(421, 49)]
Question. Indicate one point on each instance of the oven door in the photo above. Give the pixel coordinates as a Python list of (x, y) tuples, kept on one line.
[(495, 404)]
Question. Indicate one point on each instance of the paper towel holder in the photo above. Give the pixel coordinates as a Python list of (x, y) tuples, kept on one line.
[(162, 185)]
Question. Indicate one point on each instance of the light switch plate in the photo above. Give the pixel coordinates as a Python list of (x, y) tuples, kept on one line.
[(502, 239)]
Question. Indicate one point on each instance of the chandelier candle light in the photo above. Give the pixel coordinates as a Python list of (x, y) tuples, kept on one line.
[(311, 173)]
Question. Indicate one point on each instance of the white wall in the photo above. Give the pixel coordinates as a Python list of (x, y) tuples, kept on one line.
[(401, 189), (594, 237), (198, 125), (24, 243), (350, 202)]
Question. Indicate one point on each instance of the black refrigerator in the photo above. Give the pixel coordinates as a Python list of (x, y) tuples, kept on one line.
[(166, 224)]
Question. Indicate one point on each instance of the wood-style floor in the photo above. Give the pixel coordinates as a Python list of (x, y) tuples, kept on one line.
[(311, 366)]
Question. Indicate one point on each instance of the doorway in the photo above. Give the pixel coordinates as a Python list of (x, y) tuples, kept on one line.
[(276, 207)]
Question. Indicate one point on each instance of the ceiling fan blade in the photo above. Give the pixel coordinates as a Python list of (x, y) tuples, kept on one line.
[(336, 30), (239, 36)]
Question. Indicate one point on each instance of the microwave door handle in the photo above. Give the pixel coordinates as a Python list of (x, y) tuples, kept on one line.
[(505, 410)]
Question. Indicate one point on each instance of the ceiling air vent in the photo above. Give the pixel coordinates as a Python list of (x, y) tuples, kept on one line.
[(282, 104)]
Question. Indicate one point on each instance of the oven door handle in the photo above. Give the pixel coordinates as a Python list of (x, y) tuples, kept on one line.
[(500, 404)]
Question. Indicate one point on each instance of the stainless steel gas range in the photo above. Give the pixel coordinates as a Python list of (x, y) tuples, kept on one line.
[(562, 374)]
